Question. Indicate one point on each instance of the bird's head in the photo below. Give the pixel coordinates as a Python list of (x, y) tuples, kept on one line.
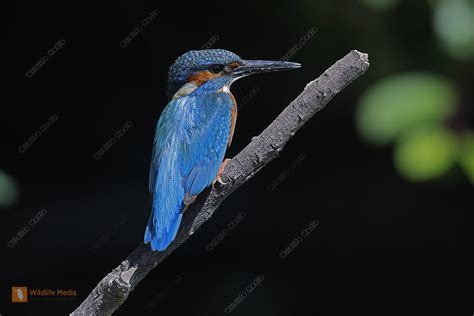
[(199, 66)]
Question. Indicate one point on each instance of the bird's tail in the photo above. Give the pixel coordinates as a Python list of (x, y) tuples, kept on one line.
[(168, 196), (161, 237), (165, 214)]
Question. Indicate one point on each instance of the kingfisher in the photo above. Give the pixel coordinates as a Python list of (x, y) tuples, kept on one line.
[(193, 132)]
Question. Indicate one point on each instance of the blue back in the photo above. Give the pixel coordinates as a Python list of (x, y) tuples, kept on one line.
[(190, 142)]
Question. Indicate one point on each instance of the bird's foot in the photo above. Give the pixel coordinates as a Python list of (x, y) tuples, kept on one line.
[(221, 169)]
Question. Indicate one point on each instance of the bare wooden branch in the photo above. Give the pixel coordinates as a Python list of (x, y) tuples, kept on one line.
[(114, 288)]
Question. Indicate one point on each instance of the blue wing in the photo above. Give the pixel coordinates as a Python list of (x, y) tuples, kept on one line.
[(190, 143)]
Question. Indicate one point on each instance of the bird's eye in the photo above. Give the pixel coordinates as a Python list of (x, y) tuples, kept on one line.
[(216, 68)]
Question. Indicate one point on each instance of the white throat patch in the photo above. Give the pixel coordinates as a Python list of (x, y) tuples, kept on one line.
[(185, 89)]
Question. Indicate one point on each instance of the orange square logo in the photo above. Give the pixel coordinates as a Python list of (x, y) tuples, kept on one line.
[(19, 294)]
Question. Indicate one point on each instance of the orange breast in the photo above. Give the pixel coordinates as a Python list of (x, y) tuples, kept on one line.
[(233, 119)]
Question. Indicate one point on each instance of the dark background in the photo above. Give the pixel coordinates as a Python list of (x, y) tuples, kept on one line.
[(383, 245)]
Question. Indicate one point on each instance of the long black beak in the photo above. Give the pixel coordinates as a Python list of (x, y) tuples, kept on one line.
[(249, 67)]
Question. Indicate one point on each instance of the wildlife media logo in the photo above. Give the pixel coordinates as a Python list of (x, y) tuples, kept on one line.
[(20, 294)]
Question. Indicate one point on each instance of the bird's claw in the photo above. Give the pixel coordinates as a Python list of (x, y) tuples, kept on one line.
[(219, 179), (221, 169)]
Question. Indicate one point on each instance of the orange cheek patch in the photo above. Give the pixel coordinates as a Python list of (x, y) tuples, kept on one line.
[(200, 77), (234, 65)]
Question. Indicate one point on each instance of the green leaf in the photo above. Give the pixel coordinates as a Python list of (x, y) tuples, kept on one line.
[(454, 26), (8, 190), (425, 154), (400, 102), (466, 156)]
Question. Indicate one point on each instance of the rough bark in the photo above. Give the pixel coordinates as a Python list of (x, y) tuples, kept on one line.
[(114, 288)]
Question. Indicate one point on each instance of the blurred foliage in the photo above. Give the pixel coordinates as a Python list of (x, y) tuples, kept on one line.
[(423, 113), (425, 153), (380, 5), (466, 156), (8, 190), (401, 102), (454, 26)]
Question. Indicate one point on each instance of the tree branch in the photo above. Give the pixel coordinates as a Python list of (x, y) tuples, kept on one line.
[(114, 288)]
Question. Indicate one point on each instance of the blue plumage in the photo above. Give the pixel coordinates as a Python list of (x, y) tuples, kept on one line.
[(190, 143), (193, 133)]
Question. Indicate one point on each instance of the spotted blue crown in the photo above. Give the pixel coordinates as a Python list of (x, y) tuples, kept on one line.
[(196, 60)]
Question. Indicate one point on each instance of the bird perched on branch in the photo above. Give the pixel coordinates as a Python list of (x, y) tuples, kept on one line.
[(193, 133)]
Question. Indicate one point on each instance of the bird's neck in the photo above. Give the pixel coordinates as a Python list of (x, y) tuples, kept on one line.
[(196, 87)]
